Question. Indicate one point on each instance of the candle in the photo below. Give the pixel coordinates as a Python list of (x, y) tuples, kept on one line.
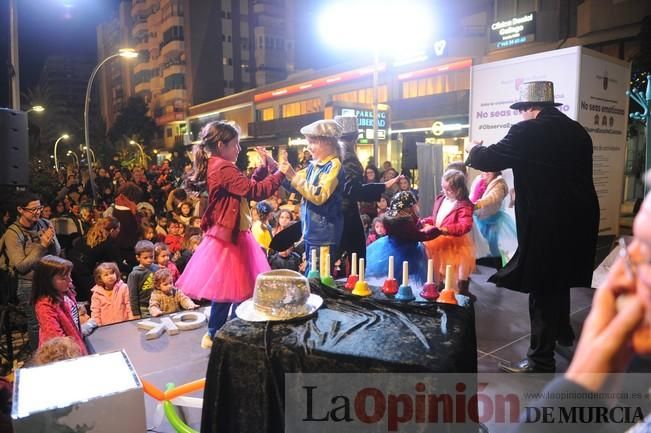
[(405, 273), (326, 270), (361, 270), (353, 262), (449, 278), (313, 264), (430, 271), (390, 267)]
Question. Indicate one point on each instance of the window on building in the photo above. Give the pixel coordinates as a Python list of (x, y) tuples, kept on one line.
[(168, 132), (174, 81), (442, 83), (301, 107), (268, 114), (363, 96), (174, 33)]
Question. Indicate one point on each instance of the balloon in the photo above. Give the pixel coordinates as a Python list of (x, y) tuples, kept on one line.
[(150, 389), (186, 388), (173, 417)]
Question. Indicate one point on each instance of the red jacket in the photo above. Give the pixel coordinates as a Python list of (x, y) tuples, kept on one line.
[(458, 222), (55, 320), (226, 187)]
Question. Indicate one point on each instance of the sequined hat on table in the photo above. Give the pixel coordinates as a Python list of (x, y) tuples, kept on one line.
[(322, 128), (400, 201), (348, 124), (279, 295), (535, 93)]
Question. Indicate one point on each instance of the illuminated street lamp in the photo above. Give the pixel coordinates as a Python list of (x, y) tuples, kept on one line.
[(142, 153), (76, 158), (127, 53), (398, 28), (36, 109), (56, 144), (85, 148)]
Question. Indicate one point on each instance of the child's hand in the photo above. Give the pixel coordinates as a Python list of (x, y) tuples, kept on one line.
[(389, 183)]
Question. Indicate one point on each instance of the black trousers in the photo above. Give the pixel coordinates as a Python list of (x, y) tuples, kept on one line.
[(549, 313)]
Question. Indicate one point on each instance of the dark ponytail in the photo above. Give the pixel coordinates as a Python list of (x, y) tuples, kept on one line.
[(210, 135)]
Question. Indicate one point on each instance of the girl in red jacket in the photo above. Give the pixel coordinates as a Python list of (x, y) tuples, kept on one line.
[(452, 214), (225, 265), (54, 301)]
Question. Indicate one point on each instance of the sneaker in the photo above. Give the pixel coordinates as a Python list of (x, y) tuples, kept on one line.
[(206, 341)]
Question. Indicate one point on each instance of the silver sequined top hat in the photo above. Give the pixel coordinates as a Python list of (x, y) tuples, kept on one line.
[(348, 125), (322, 128), (536, 93)]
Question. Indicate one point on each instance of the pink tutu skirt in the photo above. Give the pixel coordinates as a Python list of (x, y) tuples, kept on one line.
[(223, 271)]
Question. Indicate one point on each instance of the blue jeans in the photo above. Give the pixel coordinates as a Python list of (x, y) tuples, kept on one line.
[(218, 316), (24, 293)]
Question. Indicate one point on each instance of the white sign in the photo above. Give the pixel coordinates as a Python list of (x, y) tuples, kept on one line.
[(495, 87), (184, 321)]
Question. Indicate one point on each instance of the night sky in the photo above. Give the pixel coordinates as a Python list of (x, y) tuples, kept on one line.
[(49, 27)]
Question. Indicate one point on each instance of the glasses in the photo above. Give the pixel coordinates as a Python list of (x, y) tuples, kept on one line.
[(633, 265), (33, 209)]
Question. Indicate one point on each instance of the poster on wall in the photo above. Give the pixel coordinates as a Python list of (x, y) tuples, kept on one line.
[(603, 112), (494, 86)]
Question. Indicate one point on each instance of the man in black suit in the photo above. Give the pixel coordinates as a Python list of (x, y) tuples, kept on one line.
[(557, 216)]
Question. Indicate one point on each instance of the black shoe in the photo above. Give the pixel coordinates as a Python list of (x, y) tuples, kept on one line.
[(523, 366)]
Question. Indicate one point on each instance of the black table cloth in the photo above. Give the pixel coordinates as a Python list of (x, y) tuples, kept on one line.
[(245, 377)]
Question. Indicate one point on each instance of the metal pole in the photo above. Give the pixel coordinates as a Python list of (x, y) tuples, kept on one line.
[(14, 74), (376, 146), (645, 116), (86, 133), (56, 160)]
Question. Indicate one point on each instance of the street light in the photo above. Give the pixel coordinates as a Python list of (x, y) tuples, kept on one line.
[(56, 144), (142, 153), (91, 152), (76, 158), (396, 28), (127, 53), (36, 109)]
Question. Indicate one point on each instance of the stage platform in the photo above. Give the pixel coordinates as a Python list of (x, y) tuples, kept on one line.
[(171, 358)]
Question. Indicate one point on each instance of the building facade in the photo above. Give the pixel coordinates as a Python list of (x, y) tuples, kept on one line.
[(115, 79)]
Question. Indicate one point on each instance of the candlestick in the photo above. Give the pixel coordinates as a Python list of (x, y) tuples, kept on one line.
[(430, 271), (405, 273), (353, 264), (390, 276)]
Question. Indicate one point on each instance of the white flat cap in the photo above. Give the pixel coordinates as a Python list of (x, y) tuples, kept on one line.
[(322, 128)]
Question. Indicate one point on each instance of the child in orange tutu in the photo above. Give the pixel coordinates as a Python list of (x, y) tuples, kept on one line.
[(452, 214)]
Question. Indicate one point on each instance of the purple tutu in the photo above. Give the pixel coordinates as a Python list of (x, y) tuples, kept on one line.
[(222, 271)]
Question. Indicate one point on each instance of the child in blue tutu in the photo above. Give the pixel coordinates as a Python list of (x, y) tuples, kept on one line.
[(403, 241)]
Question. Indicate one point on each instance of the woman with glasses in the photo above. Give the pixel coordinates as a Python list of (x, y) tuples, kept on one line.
[(26, 241)]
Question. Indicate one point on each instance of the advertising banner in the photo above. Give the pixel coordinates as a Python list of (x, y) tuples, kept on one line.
[(574, 72)]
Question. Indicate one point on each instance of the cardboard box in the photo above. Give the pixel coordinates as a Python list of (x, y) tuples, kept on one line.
[(91, 394)]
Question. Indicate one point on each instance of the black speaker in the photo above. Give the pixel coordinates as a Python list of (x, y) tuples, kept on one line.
[(14, 148), (409, 153)]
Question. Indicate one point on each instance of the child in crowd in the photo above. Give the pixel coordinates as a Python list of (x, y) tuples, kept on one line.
[(148, 232), (377, 231), (284, 218), (321, 185), (383, 205), (162, 259), (228, 260), (404, 241), (452, 214), (56, 349), (195, 222), (166, 299), (174, 238), (54, 301), (141, 280), (161, 228), (185, 213), (189, 247), (261, 229), (110, 300)]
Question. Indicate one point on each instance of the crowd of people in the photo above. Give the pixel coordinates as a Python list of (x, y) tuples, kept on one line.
[(158, 240)]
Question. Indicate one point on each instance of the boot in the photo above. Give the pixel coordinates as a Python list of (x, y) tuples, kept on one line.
[(464, 289)]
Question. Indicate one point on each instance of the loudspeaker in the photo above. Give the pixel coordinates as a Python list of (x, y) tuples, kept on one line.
[(409, 153), (14, 148)]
